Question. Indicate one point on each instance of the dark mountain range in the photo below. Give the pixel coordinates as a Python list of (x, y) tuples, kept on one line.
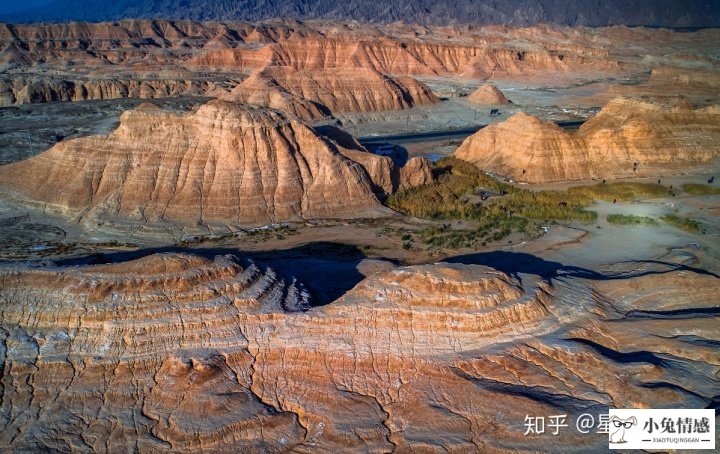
[(665, 13)]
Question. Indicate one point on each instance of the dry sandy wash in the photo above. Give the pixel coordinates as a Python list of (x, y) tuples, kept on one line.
[(178, 353)]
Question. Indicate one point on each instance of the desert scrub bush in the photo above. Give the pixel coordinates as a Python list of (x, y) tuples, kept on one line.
[(543, 206), (517, 210), (620, 191), (623, 219), (489, 229), (687, 224), (700, 189), (456, 179)]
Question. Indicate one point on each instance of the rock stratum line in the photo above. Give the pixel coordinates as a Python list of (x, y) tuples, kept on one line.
[(174, 352)]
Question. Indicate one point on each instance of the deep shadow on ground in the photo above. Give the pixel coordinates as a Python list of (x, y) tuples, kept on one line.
[(328, 269)]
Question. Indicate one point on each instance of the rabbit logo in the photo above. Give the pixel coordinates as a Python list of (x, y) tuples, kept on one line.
[(620, 426)]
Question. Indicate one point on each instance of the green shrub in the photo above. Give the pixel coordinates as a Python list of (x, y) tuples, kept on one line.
[(687, 224), (622, 219), (518, 210), (700, 189), (620, 191)]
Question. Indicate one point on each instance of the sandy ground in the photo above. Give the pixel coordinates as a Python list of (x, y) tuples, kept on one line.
[(330, 257), (30, 129)]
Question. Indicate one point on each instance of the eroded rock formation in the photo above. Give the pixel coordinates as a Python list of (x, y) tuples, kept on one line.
[(313, 94), (148, 45), (627, 138), (36, 90), (224, 164), (488, 94), (179, 353)]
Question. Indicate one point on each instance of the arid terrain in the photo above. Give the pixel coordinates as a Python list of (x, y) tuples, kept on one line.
[(327, 236)]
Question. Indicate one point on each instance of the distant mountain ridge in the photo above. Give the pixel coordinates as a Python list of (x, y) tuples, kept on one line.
[(663, 13)]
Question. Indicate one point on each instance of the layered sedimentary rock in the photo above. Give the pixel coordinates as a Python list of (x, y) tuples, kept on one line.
[(185, 307), (266, 92), (488, 94), (415, 172), (526, 148), (387, 175), (395, 56), (628, 137), (225, 164), (178, 353), (312, 94), (142, 45), (36, 90)]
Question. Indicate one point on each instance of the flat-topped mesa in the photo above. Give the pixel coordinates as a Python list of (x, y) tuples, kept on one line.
[(627, 138), (311, 94), (488, 94), (224, 164)]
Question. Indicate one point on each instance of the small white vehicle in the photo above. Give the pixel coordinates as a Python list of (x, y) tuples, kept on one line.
[(385, 150)]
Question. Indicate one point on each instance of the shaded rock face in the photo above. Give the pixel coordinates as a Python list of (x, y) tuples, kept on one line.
[(179, 353), (661, 136), (35, 90), (386, 174), (415, 172), (488, 94), (312, 94), (225, 164)]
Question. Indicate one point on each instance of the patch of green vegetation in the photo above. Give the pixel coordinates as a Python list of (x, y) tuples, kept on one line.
[(516, 210), (114, 244), (619, 191), (700, 189), (623, 219), (447, 198), (687, 224)]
